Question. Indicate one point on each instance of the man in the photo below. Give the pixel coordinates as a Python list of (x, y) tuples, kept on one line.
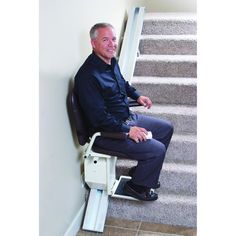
[(102, 93)]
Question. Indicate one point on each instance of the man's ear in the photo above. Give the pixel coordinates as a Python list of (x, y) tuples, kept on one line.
[(92, 43)]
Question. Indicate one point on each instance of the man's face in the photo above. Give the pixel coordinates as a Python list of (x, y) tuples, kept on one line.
[(105, 45)]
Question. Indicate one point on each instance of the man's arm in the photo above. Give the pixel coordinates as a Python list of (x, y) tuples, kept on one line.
[(131, 91), (134, 94), (138, 134)]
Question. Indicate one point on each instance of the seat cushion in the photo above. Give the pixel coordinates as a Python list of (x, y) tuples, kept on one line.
[(109, 152)]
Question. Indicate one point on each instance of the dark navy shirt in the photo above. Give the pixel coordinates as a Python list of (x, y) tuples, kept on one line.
[(102, 93)]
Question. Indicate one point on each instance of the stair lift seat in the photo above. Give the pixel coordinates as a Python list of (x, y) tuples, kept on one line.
[(99, 167)]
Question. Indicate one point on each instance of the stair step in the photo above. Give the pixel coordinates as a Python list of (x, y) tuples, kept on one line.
[(170, 58), (184, 118), (174, 178), (168, 209), (170, 16), (168, 44), (169, 23), (181, 91), (164, 80), (178, 179), (182, 149), (166, 66)]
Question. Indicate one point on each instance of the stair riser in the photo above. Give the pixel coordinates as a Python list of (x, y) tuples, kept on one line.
[(169, 27), (182, 123), (168, 47), (169, 93), (172, 213), (166, 68), (184, 152), (178, 182)]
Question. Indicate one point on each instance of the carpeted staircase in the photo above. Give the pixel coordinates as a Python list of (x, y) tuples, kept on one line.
[(166, 72)]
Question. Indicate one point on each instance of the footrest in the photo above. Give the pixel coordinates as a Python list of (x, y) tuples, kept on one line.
[(118, 189)]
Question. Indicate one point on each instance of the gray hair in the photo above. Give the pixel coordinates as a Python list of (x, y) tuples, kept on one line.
[(93, 31)]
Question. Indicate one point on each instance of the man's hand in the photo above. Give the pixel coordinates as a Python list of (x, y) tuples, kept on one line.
[(144, 101), (138, 134)]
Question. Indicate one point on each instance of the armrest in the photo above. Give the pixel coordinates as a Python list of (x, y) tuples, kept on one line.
[(133, 103), (120, 135)]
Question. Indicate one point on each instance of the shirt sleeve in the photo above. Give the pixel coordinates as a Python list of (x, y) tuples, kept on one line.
[(92, 103), (131, 91)]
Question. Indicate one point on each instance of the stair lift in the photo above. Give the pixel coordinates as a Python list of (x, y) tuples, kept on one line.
[(99, 168)]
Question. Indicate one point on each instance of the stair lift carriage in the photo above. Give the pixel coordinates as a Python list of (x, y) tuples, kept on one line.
[(99, 168)]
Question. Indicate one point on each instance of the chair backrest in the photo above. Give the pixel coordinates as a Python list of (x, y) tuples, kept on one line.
[(77, 118)]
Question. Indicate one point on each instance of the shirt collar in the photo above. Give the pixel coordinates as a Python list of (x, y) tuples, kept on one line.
[(101, 64)]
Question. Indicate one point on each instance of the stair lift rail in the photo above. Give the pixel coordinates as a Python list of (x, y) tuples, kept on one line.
[(130, 44)]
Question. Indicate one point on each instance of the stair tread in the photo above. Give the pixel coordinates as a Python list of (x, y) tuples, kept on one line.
[(169, 58), (168, 37), (171, 198), (176, 167), (180, 168), (164, 80), (168, 209), (184, 137), (170, 16), (168, 109)]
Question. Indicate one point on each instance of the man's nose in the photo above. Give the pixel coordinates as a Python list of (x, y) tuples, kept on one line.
[(112, 43)]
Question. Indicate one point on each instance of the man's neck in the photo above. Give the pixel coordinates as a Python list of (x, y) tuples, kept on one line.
[(106, 60)]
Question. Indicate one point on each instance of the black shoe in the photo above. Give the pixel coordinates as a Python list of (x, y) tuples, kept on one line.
[(147, 195), (131, 173)]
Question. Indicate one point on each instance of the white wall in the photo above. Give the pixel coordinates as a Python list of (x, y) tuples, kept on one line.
[(64, 44), (171, 5), (61, 194)]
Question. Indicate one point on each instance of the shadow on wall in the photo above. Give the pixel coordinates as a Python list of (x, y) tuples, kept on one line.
[(72, 126)]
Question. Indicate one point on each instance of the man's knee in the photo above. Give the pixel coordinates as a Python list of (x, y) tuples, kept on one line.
[(170, 128), (160, 151)]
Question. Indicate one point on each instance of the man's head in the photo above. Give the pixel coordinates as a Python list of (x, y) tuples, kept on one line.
[(103, 41)]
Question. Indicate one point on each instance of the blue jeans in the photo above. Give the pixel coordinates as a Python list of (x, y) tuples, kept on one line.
[(150, 154)]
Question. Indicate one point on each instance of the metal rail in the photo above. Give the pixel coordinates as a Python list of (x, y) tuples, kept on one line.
[(129, 48)]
